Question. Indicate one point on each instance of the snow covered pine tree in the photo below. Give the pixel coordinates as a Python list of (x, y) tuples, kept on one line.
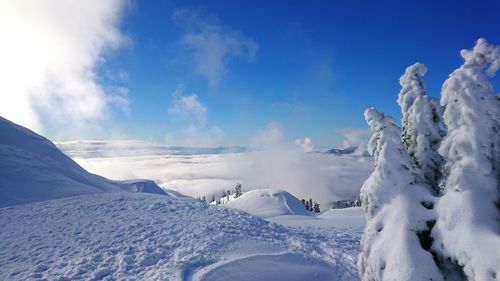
[(392, 197), (422, 123), (468, 226), (465, 241)]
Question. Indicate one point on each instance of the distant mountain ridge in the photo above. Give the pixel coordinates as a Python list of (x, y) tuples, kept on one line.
[(342, 151), (348, 151), (99, 148)]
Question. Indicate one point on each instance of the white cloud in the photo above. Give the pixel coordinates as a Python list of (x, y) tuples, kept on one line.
[(269, 137), (118, 96), (190, 108), (358, 137), (211, 45), (196, 136), (49, 54), (280, 164), (320, 176), (305, 144), (192, 115)]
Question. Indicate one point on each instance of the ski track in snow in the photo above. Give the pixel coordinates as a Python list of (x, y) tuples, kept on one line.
[(124, 236)]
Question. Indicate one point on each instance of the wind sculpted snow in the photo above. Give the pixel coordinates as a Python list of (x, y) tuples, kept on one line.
[(268, 203), (151, 237), (32, 169)]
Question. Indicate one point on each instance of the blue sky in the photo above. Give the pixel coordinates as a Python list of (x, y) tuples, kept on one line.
[(215, 72)]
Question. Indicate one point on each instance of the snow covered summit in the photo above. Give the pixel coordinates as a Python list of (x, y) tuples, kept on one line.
[(33, 169), (268, 203)]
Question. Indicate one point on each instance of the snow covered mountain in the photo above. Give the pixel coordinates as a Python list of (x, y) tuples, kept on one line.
[(32, 169), (130, 230), (123, 148), (342, 151), (268, 203)]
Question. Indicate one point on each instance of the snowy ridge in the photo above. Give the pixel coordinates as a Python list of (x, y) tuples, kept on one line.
[(144, 186), (268, 203), (342, 151), (32, 169)]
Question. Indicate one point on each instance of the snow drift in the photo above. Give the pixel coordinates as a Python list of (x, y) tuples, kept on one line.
[(268, 203), (105, 234), (32, 169), (138, 236)]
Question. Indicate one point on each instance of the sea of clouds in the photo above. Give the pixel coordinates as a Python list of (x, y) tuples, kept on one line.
[(196, 171)]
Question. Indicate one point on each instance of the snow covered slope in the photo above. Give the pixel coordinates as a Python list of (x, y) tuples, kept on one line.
[(350, 221), (144, 186), (91, 231), (33, 169), (268, 203), (137, 236), (348, 217)]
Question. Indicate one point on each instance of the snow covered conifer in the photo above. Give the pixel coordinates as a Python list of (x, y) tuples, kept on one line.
[(357, 202), (422, 124), (468, 227), (398, 211), (304, 202), (316, 208), (237, 191)]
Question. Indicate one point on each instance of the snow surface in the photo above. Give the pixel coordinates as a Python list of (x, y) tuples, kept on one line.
[(145, 186), (349, 221), (117, 236), (273, 267), (268, 203), (60, 222), (353, 217), (33, 169), (281, 207)]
